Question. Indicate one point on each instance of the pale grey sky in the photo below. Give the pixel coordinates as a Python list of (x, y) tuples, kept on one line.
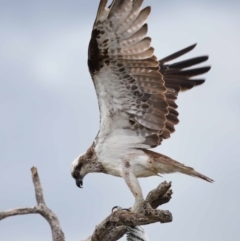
[(49, 115)]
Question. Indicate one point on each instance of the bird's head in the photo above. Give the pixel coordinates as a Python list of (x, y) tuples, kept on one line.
[(83, 165)]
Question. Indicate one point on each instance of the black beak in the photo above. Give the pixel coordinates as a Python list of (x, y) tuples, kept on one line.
[(79, 182)]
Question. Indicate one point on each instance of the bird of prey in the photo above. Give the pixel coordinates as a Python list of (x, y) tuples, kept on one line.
[(136, 96)]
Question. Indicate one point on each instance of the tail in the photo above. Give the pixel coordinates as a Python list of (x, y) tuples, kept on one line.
[(164, 164), (189, 171)]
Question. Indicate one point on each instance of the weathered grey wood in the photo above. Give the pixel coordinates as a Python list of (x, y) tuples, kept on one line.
[(114, 226), (116, 233), (111, 228), (162, 194), (40, 208)]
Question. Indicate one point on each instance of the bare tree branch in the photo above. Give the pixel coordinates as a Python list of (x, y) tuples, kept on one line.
[(17, 211), (116, 233), (111, 228), (161, 195), (40, 208), (114, 226), (37, 186)]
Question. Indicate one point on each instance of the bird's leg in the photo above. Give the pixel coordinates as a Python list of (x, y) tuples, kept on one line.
[(134, 186), (137, 205)]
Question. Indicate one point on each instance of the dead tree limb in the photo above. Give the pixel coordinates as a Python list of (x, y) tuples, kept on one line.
[(40, 208), (111, 228), (114, 226)]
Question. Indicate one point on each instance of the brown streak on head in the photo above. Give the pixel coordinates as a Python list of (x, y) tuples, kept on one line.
[(88, 157), (91, 154), (89, 160)]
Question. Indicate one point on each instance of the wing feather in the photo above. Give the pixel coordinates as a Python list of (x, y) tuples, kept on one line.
[(102, 11), (135, 38), (118, 12), (136, 8), (177, 79), (140, 55), (139, 47), (137, 24), (136, 92)]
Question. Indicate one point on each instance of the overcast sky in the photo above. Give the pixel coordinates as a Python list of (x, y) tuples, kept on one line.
[(49, 115)]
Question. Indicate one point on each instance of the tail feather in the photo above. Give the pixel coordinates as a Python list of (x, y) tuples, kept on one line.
[(190, 171), (163, 164)]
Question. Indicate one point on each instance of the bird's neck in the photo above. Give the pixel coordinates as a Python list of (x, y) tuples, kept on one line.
[(96, 166)]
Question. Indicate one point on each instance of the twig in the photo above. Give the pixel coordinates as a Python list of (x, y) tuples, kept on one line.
[(40, 208)]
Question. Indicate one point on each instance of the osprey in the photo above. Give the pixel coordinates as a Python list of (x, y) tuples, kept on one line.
[(136, 95)]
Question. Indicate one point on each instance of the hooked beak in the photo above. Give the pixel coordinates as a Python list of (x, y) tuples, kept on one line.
[(79, 182)]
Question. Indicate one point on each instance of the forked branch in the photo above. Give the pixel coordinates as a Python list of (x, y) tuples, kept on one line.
[(40, 208), (114, 226)]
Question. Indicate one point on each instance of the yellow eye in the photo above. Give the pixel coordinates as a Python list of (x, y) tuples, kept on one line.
[(75, 174)]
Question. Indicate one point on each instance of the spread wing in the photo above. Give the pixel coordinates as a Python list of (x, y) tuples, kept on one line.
[(136, 92), (178, 78)]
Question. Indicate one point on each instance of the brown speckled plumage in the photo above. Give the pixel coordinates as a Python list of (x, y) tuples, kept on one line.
[(136, 94)]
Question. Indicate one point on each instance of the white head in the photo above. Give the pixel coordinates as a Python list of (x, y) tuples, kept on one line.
[(75, 162), (85, 164)]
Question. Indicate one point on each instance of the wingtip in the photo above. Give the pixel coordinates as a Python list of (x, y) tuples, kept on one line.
[(204, 58), (147, 9), (199, 82), (177, 54), (191, 47), (101, 9), (207, 68)]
